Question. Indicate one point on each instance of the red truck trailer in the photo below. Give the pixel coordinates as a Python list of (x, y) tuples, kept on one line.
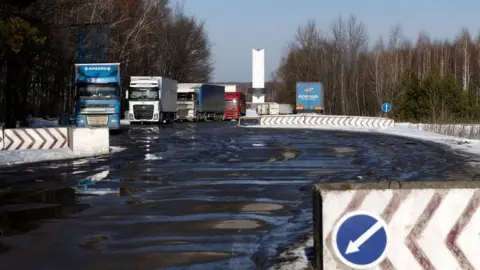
[(235, 105)]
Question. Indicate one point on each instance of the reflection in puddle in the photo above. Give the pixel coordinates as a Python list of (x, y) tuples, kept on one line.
[(98, 185), (22, 210)]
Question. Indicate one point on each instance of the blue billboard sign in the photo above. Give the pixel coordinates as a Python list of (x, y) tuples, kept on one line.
[(309, 96)]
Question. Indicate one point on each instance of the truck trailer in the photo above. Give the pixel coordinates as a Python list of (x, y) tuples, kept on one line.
[(310, 97), (235, 105), (279, 108), (98, 95), (210, 102), (152, 99)]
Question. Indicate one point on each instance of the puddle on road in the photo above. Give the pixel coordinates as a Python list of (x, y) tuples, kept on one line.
[(157, 260), (23, 208), (22, 211)]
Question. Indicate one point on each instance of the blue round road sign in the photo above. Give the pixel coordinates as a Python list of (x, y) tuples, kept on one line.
[(360, 240), (386, 107)]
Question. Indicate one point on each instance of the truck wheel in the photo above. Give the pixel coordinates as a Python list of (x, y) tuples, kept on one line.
[(160, 118)]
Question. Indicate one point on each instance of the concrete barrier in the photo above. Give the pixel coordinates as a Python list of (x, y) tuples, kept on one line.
[(415, 225), (35, 138), (325, 120), (89, 140), (1, 138), (79, 140), (247, 120)]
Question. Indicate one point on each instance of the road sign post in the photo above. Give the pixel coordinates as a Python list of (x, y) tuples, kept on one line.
[(386, 107), (360, 240)]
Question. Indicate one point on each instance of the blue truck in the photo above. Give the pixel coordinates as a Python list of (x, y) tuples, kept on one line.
[(98, 95), (310, 98), (210, 102)]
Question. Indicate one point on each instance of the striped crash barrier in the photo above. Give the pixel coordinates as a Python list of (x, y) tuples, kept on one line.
[(1, 138), (325, 120), (33, 138), (415, 225)]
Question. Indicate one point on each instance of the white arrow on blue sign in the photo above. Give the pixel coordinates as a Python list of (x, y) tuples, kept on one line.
[(360, 240), (386, 107)]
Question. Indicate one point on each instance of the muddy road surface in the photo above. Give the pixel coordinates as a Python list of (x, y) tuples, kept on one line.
[(193, 196)]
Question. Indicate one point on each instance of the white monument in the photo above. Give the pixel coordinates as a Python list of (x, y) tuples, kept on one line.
[(258, 76)]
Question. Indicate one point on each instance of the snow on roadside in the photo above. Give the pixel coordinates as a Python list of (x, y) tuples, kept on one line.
[(16, 157), (39, 122), (470, 131), (295, 258)]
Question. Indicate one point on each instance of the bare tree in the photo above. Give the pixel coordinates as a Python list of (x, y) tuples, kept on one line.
[(358, 80), (147, 37)]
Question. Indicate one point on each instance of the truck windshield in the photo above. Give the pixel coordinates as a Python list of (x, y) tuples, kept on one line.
[(97, 91), (143, 93), (186, 97), (231, 103)]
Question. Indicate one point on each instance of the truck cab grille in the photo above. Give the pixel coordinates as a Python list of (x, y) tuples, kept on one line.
[(143, 112), (97, 120)]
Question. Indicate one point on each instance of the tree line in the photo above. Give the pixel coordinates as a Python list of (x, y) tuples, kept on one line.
[(39, 44), (424, 80)]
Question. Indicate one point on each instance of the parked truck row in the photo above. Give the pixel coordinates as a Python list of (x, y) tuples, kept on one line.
[(151, 99), (155, 99)]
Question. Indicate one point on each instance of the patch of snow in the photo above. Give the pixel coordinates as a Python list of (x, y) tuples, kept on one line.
[(295, 257), (470, 131), (15, 157)]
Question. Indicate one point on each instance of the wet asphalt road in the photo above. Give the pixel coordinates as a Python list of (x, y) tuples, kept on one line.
[(194, 196)]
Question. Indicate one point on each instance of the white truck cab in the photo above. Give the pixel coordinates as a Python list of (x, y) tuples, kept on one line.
[(187, 101), (152, 99)]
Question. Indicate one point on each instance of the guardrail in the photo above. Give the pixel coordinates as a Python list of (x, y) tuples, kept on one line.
[(411, 225), (320, 120)]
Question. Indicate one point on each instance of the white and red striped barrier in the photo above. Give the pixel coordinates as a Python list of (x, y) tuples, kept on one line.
[(407, 228), (35, 138), (80, 140), (325, 120), (1, 138)]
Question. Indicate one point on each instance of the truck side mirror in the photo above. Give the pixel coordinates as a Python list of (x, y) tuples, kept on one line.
[(126, 94)]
